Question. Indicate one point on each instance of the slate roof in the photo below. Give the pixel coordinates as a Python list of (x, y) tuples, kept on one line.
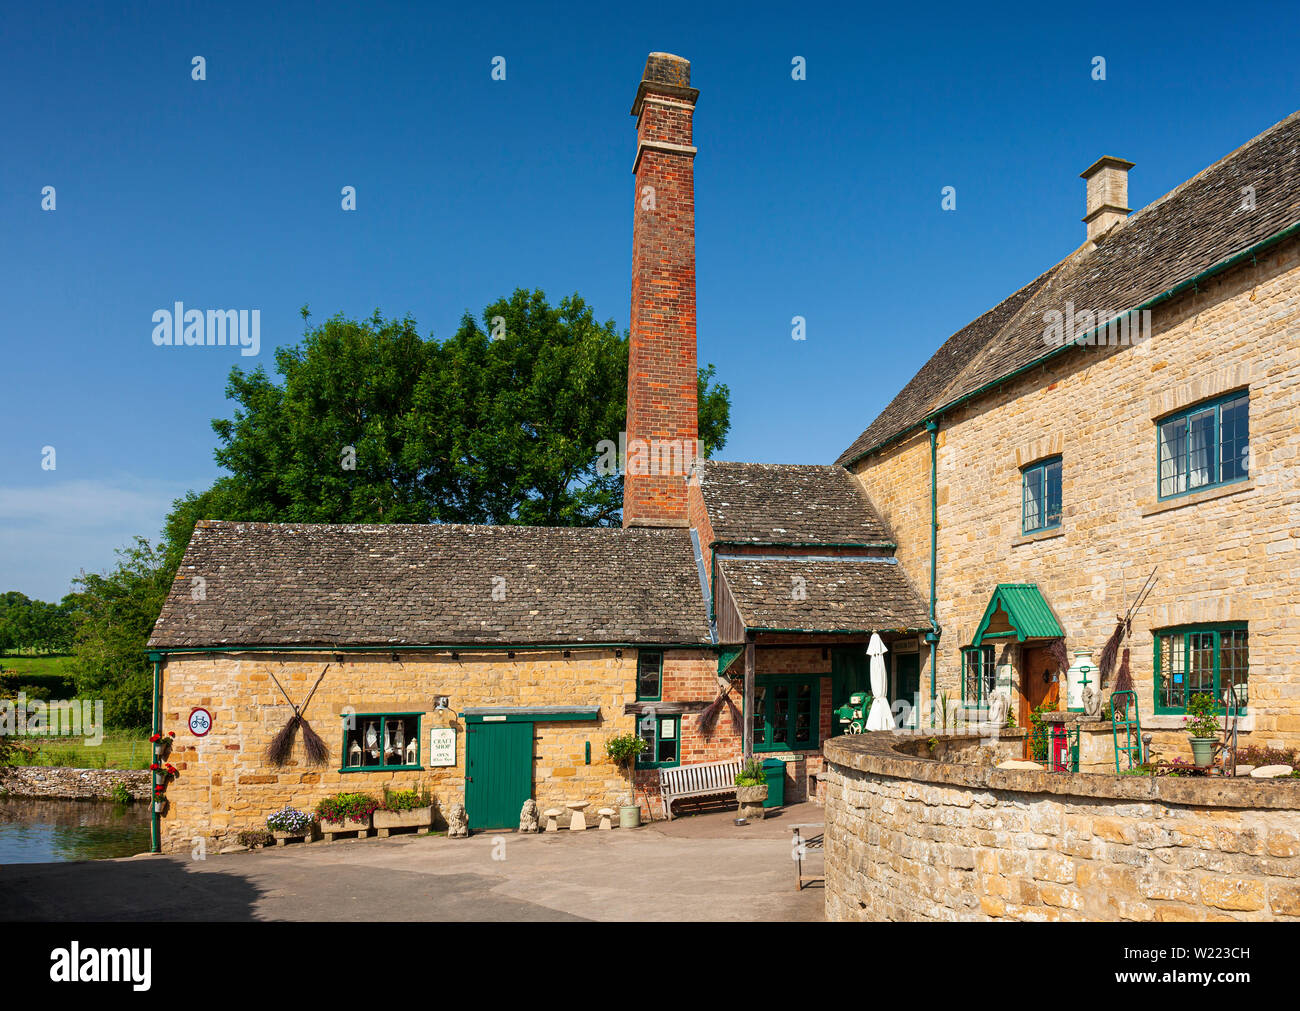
[(787, 503), (281, 584), (1187, 231), (851, 594)]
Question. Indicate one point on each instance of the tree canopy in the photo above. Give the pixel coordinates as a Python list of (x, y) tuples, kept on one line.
[(500, 423)]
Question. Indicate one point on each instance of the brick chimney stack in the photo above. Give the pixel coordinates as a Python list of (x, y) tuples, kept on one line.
[(1107, 180), (662, 409)]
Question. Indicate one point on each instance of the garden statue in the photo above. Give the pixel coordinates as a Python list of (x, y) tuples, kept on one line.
[(528, 816), (999, 703), (457, 822), (1092, 702)]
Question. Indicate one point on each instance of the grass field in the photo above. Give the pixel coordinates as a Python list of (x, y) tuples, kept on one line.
[(120, 749), (18, 664)]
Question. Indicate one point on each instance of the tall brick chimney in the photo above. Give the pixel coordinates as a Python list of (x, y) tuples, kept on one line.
[(1107, 181), (662, 409)]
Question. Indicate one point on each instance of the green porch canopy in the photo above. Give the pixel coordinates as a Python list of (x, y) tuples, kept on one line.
[(1017, 610)]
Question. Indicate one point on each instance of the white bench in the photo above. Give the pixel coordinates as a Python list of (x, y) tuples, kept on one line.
[(707, 779)]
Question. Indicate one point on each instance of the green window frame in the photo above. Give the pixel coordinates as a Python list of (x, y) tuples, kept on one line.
[(979, 675), (649, 676), (664, 735), (1040, 498), (1203, 446), (1201, 658), (787, 713), (389, 728)]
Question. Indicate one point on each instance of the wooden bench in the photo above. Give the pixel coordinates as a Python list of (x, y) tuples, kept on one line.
[(706, 779)]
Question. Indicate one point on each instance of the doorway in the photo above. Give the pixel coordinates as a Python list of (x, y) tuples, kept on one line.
[(498, 773), (907, 688)]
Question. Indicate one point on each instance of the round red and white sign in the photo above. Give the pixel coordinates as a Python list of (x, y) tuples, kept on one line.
[(200, 721)]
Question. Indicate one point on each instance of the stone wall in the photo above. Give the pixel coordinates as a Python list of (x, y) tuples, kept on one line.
[(1226, 554), (74, 784), (225, 784), (909, 838)]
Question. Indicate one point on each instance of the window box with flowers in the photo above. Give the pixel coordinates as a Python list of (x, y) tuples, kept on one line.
[(346, 812), (403, 809), (290, 823)]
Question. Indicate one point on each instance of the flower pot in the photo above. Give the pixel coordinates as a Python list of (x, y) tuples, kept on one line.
[(333, 828), (751, 800), (281, 838), (1203, 751), (629, 816), (416, 818)]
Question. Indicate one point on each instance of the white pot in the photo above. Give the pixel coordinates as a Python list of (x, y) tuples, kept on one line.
[(1081, 667)]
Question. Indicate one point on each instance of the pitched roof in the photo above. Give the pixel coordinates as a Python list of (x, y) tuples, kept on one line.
[(1186, 232), (823, 594), (766, 503), (281, 584)]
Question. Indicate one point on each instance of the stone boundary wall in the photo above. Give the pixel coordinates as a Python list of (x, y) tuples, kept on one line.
[(910, 838), (73, 784)]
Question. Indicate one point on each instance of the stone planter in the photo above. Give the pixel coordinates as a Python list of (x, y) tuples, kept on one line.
[(332, 828), (283, 838), (1203, 751), (416, 818), (751, 800), (629, 816)]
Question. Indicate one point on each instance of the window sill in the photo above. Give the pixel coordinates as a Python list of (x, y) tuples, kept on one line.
[(1155, 507), (385, 768), (1051, 533)]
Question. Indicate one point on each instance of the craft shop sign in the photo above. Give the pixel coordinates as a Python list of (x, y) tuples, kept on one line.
[(442, 746)]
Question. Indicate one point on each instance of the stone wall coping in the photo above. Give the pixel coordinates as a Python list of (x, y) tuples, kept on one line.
[(878, 754)]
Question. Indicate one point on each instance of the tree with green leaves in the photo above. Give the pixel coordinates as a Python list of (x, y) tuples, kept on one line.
[(117, 612), (500, 423)]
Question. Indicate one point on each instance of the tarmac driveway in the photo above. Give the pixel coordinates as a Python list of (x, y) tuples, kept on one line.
[(696, 868)]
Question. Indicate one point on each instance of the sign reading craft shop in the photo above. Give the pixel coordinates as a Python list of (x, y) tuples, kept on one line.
[(442, 746)]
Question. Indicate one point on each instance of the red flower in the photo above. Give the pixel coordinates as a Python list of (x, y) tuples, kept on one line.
[(171, 769), (171, 733), (159, 788), (156, 738), (155, 766)]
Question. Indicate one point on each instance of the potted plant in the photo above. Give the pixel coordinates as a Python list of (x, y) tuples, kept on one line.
[(1203, 728), (403, 809), (623, 751), (290, 823), (346, 812), (751, 789)]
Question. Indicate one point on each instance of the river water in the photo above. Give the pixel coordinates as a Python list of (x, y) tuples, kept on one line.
[(41, 830)]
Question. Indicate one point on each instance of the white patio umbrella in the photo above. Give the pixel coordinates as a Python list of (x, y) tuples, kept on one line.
[(880, 717)]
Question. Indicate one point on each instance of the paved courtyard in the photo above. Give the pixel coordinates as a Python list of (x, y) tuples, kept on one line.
[(695, 868)]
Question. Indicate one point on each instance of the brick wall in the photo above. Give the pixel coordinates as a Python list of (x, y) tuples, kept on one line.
[(225, 784), (911, 839), (1225, 554), (662, 375)]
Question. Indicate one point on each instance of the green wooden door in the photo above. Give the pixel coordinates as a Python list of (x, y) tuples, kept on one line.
[(498, 773), (850, 673), (907, 686)]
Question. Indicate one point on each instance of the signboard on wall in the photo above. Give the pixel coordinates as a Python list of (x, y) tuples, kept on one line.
[(442, 746)]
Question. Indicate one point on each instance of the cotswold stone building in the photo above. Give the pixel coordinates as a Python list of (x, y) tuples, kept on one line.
[(1013, 495), (1078, 466)]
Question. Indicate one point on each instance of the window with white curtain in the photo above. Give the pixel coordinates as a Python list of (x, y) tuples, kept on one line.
[(1205, 445)]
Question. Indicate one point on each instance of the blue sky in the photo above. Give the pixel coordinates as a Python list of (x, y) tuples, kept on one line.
[(818, 198)]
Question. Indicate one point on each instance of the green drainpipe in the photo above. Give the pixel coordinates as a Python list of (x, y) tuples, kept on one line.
[(932, 637), (155, 835)]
